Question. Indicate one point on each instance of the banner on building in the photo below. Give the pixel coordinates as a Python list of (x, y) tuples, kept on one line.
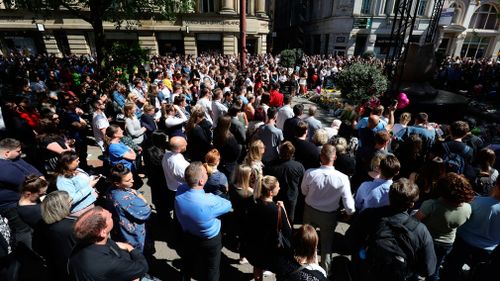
[(446, 16)]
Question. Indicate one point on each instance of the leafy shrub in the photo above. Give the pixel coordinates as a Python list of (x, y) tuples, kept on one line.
[(368, 55), (360, 81), (291, 57)]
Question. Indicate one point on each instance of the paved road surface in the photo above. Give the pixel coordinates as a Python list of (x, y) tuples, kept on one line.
[(166, 265)]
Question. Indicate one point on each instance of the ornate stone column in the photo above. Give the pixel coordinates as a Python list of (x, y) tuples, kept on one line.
[(51, 44), (148, 41), (459, 44), (190, 47), (260, 8), (230, 44), (227, 7), (78, 44)]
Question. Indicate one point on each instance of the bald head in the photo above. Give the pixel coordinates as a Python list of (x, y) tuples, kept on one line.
[(178, 144), (373, 121), (312, 110)]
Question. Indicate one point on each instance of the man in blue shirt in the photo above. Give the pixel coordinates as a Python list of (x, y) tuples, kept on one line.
[(13, 171), (197, 213), (420, 128), (374, 194)]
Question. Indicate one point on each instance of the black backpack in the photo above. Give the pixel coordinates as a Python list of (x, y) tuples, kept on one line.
[(454, 162), (390, 254)]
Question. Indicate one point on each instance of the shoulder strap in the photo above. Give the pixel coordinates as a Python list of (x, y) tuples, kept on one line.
[(278, 226), (466, 149), (446, 148)]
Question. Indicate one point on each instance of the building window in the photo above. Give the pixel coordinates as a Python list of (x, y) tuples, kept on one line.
[(475, 46), (208, 6), (484, 18), (366, 6), (422, 7), (390, 7)]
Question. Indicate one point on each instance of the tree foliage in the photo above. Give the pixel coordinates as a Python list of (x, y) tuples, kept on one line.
[(360, 81), (128, 56), (291, 57)]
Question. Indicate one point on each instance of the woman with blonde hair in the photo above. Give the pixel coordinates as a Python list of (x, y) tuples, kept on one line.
[(265, 219), (404, 119), (217, 182), (254, 159), (133, 125), (54, 238), (241, 196), (199, 134)]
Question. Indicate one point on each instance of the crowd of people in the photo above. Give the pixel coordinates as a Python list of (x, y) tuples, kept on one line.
[(475, 77), (228, 154)]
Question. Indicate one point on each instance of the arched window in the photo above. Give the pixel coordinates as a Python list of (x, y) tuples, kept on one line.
[(475, 46), (485, 18)]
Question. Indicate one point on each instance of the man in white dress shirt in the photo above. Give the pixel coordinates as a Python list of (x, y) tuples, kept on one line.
[(218, 109), (206, 103), (323, 188), (174, 165), (284, 112)]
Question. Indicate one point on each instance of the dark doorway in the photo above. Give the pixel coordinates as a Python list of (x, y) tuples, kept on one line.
[(360, 46), (209, 43), (252, 46), (170, 47)]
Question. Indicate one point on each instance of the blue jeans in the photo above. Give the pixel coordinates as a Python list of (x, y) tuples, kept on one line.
[(442, 250)]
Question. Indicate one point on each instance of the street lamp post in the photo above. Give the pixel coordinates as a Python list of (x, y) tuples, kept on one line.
[(243, 34)]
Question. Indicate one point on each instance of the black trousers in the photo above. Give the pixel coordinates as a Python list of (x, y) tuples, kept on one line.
[(202, 257)]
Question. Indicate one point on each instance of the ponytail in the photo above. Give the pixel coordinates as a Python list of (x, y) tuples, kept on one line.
[(264, 187)]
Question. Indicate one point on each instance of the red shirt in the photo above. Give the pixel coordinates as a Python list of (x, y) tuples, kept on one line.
[(276, 98)]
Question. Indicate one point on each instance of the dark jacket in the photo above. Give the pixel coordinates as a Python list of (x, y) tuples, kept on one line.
[(366, 225), (106, 262), (306, 153), (290, 128)]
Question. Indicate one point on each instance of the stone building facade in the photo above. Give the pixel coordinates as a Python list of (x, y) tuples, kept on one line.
[(352, 27), (212, 27)]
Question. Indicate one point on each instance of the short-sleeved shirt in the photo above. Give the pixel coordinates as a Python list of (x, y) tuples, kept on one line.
[(442, 218), (482, 230), (272, 138), (216, 183), (116, 152)]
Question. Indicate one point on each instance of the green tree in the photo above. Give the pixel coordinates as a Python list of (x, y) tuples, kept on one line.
[(291, 57), (95, 12), (360, 81)]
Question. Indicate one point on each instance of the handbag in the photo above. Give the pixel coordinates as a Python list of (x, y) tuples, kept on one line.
[(283, 242)]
